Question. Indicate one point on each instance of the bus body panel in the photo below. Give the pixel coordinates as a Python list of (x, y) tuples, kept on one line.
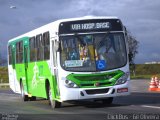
[(13, 82), (35, 74)]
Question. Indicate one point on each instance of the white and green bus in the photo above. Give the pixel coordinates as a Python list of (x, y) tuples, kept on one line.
[(71, 59)]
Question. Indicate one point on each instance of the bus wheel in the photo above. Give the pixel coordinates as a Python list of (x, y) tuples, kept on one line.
[(107, 101), (24, 97), (33, 98), (53, 103)]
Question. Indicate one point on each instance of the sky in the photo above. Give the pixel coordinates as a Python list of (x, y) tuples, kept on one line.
[(141, 17)]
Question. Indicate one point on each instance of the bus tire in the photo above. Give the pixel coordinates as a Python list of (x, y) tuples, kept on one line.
[(54, 104), (24, 97), (107, 101), (33, 98)]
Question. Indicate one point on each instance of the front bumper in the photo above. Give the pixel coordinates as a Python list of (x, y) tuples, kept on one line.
[(94, 93)]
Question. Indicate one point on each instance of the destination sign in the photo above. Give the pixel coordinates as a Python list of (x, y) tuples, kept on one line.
[(89, 26), (92, 25)]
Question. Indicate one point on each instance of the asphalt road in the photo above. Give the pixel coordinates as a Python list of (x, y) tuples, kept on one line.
[(141, 104)]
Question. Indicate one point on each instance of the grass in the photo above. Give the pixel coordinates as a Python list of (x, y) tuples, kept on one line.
[(4, 75), (141, 77), (146, 71)]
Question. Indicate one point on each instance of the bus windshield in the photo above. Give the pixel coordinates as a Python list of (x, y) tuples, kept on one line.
[(93, 52)]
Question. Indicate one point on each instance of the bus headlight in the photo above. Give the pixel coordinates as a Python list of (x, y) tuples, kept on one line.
[(70, 84), (122, 79)]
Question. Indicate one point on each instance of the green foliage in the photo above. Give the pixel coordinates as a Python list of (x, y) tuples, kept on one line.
[(4, 74), (133, 45), (140, 77), (147, 69), (144, 71)]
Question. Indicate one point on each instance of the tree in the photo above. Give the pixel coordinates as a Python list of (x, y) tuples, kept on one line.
[(133, 50)]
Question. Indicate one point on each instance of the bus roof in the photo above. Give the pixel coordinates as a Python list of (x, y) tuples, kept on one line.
[(57, 22), (86, 18)]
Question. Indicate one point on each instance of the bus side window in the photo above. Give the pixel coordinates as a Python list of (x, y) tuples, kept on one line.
[(46, 44), (10, 54), (39, 47), (33, 49), (19, 52), (17, 49)]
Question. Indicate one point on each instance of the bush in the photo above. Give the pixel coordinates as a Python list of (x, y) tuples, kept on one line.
[(146, 70), (4, 75)]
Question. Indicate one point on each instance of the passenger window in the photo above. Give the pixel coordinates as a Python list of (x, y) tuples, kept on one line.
[(40, 48), (10, 54), (46, 45), (19, 52), (33, 49)]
